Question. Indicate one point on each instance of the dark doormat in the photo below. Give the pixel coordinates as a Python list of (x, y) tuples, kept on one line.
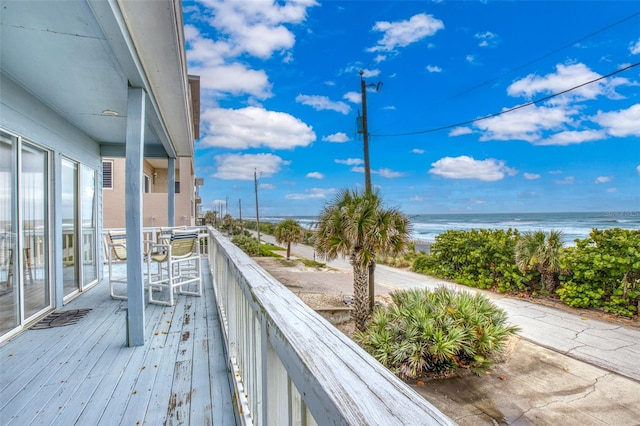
[(60, 318)]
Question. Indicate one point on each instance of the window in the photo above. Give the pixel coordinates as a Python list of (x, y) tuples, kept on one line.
[(107, 175), (177, 188), (147, 184)]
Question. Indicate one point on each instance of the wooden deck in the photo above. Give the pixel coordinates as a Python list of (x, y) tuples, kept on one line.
[(84, 374)]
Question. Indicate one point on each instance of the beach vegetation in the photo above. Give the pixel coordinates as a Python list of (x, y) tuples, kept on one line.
[(231, 226), (603, 272), (541, 251), (356, 225), (253, 248), (289, 231), (481, 258), (435, 332), (265, 227), (599, 272)]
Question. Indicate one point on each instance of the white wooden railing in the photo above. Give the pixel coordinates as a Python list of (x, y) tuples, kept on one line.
[(290, 366)]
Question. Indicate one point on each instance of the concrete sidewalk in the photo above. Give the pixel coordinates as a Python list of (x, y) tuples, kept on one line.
[(606, 345)]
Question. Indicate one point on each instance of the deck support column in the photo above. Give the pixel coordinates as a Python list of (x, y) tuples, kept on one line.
[(171, 192), (134, 215)]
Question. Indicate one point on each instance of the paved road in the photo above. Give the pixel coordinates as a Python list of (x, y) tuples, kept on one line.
[(606, 345)]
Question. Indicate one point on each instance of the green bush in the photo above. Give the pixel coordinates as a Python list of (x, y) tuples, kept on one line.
[(435, 332), (603, 272), (482, 258), (251, 246)]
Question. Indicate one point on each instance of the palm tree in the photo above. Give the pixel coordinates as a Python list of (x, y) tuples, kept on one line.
[(289, 231), (540, 251), (355, 225)]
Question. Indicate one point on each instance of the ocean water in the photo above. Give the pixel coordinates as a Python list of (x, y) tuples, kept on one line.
[(425, 227)]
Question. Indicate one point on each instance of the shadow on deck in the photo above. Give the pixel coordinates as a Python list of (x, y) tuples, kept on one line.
[(85, 373)]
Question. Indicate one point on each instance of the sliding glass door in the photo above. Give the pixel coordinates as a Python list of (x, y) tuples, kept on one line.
[(79, 230), (25, 287), (34, 184), (9, 294), (89, 227)]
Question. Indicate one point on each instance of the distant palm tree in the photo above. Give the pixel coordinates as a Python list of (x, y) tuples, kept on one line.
[(355, 225), (540, 251), (289, 231)]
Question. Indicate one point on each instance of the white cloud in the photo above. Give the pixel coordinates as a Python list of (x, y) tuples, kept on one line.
[(524, 124), (531, 176), (253, 127), (388, 173), (569, 180), (267, 186), (257, 28), (356, 69), (612, 189), (459, 131), (566, 77), (353, 97), (235, 79), (350, 161), (603, 179), (634, 47), (434, 68), (477, 201), (213, 62), (315, 175), (242, 166), (470, 58), (320, 103), (339, 137), (312, 193), (389, 108), (638, 169), (367, 73), (620, 123), (404, 33), (417, 151), (572, 137), (465, 167), (487, 39), (555, 172)]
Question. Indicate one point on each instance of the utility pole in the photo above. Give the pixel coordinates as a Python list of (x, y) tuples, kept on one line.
[(367, 178), (240, 210), (365, 135), (255, 181)]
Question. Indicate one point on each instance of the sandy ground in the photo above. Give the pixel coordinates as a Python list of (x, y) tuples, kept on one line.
[(534, 386)]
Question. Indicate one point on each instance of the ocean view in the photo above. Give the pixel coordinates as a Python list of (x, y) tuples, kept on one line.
[(574, 225)]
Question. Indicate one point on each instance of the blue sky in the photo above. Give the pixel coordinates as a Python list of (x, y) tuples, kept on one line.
[(280, 90)]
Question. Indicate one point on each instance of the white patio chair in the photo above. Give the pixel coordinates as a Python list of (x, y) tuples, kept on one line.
[(117, 247), (178, 267)]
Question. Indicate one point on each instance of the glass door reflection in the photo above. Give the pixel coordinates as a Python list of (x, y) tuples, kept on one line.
[(9, 288), (69, 209), (89, 228), (34, 178)]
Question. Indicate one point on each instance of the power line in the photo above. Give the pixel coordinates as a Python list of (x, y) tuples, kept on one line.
[(537, 101), (553, 52)]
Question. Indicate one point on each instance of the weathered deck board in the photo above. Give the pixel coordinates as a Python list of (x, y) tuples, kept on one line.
[(84, 373)]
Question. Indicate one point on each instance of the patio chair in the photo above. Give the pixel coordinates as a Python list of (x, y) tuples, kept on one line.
[(117, 247), (178, 267)]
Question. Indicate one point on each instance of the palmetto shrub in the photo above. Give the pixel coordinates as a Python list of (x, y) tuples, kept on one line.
[(435, 332)]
